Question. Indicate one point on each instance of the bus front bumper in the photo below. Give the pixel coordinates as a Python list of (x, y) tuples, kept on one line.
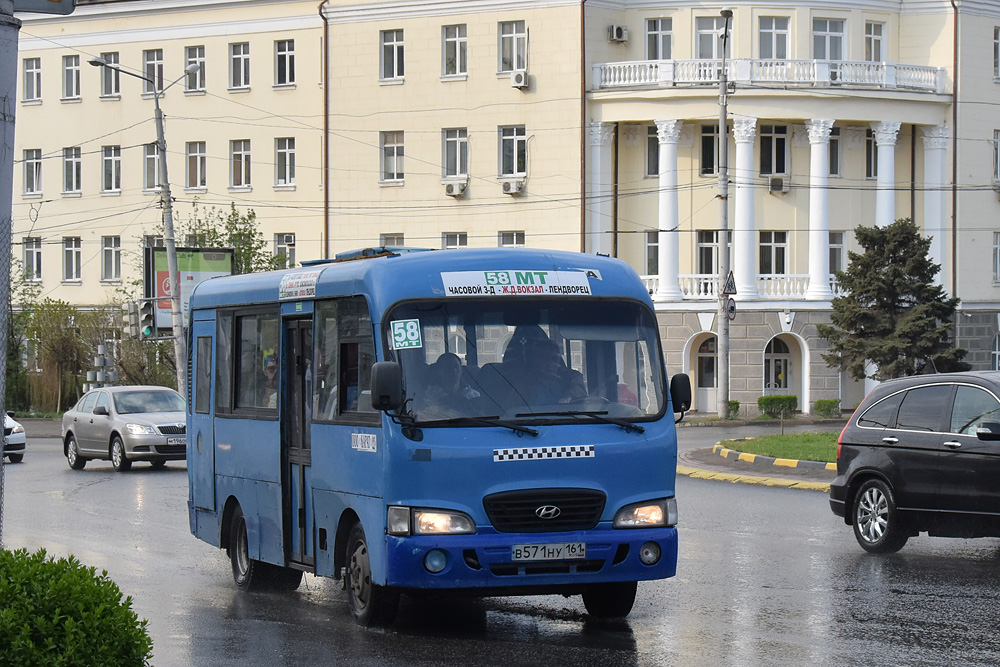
[(486, 560)]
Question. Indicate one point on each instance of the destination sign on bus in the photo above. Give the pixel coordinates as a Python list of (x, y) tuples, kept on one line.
[(516, 283)]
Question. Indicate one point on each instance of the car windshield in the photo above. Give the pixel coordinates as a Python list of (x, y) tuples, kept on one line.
[(131, 402), (523, 360)]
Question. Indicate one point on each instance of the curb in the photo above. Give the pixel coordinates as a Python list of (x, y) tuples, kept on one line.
[(735, 478), (769, 460)]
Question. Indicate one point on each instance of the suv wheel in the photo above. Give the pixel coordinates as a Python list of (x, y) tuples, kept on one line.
[(877, 525)]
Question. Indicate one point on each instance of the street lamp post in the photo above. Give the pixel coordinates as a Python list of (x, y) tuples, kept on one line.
[(176, 317), (723, 315)]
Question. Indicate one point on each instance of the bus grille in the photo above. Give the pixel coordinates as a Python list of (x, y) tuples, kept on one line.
[(172, 429), (518, 511)]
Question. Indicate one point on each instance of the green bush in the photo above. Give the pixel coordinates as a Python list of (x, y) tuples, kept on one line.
[(734, 410), (58, 612), (828, 408), (777, 406)]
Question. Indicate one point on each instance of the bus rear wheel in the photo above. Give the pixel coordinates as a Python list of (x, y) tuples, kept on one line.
[(610, 600), (372, 605), (255, 575)]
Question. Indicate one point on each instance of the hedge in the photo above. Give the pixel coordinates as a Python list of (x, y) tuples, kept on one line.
[(827, 407), (778, 406)]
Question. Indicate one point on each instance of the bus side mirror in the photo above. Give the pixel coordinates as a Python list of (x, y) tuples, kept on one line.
[(387, 385), (680, 392)]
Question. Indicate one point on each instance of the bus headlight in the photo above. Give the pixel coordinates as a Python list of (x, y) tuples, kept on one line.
[(649, 514), (427, 522)]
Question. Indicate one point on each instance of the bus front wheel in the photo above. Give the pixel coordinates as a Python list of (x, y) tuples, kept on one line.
[(371, 604), (610, 600)]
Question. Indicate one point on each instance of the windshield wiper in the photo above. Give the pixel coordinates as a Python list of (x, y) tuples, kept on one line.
[(600, 416), (485, 421)]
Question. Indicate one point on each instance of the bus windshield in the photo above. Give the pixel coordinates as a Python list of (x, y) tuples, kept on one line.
[(527, 359)]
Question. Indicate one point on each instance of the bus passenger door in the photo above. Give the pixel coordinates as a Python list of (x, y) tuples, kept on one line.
[(201, 436), (297, 453)]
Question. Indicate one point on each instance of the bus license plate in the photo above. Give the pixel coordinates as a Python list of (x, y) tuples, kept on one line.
[(177, 441), (559, 551)]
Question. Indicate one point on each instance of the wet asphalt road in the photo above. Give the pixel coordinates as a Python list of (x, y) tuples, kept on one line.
[(766, 577)]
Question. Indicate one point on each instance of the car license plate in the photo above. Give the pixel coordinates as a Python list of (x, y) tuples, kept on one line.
[(559, 551), (177, 441)]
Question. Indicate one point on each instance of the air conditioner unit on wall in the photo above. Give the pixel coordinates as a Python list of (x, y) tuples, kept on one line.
[(512, 187), (777, 184), (617, 33), (455, 189), (288, 239), (519, 78)]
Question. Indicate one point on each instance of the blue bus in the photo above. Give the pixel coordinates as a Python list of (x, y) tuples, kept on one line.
[(489, 422)]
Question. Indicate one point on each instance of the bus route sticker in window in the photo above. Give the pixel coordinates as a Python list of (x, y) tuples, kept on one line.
[(406, 335), (516, 283), (364, 442)]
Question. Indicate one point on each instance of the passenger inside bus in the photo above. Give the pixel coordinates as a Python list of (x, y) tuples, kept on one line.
[(553, 381), (445, 395), (270, 397)]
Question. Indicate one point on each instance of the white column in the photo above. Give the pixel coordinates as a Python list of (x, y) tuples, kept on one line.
[(819, 210), (885, 197), (599, 226), (744, 233), (935, 215), (668, 218)]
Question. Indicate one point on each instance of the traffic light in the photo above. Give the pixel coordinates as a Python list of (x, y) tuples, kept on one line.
[(130, 320), (147, 319)]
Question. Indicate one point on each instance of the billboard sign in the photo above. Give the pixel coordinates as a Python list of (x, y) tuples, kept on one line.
[(194, 266), (45, 6)]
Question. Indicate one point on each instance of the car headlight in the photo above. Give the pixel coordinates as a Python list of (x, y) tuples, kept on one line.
[(17, 429), (650, 514), (139, 429), (406, 521)]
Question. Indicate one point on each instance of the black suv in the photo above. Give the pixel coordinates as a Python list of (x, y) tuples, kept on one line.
[(921, 454)]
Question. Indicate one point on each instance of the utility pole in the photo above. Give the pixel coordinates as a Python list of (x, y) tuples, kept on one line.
[(722, 317)]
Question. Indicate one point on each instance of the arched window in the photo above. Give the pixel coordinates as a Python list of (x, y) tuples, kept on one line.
[(706, 364), (777, 365)]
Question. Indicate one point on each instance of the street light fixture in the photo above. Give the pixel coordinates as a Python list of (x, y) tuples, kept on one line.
[(723, 315), (176, 318)]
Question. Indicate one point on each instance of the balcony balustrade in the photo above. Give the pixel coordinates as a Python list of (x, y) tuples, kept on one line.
[(783, 287)]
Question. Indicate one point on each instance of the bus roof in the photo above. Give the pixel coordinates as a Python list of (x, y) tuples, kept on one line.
[(387, 277)]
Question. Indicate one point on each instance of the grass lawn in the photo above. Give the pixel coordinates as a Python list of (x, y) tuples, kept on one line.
[(801, 446)]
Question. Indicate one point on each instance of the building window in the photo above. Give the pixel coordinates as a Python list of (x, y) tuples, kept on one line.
[(836, 252), (456, 152), (239, 158), (708, 30), (239, 65), (511, 239), (32, 79), (392, 54), (652, 151), (513, 46), (707, 254), (658, 38), (777, 364), (453, 240), (390, 240), (32, 171), (652, 252), (197, 165), (152, 241), (284, 161), (871, 155), (874, 42), (111, 168), (996, 53), (709, 149), (72, 169), (72, 257), (33, 258), (392, 156), (996, 257), (151, 167), (284, 62), (71, 77), (110, 76), (111, 258), (152, 67), (513, 151), (995, 356), (773, 250), (774, 37), (195, 55), (773, 150), (828, 39), (454, 52), (835, 151), (284, 249)]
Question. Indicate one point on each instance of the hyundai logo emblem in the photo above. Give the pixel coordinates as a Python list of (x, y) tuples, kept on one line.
[(548, 512)]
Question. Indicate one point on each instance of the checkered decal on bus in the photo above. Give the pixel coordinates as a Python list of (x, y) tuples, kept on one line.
[(531, 453)]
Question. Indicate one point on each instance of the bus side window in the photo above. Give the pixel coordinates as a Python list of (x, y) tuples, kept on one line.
[(224, 365), (203, 376)]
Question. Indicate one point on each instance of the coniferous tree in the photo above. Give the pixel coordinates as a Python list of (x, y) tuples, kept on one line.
[(892, 316)]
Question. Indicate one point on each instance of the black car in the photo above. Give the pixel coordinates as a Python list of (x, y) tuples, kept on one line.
[(921, 454)]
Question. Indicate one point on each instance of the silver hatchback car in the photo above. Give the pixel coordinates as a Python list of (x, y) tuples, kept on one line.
[(125, 424)]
